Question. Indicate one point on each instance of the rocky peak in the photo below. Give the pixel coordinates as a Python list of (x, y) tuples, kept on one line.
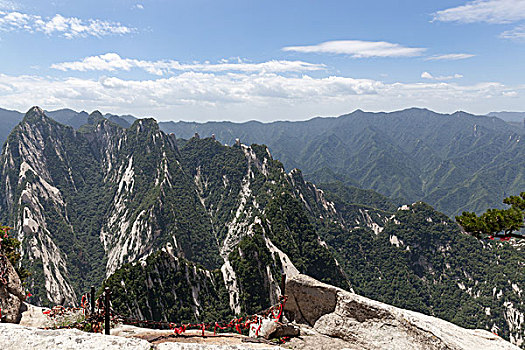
[(36, 110), (95, 117), (35, 115), (146, 124)]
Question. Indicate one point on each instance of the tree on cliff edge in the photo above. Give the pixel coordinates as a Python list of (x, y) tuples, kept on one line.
[(497, 223)]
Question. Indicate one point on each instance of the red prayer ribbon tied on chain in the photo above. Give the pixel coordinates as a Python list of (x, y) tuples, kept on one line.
[(274, 312), (501, 239)]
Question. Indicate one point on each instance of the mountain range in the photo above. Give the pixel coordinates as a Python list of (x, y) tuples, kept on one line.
[(458, 162), (189, 229), (455, 162)]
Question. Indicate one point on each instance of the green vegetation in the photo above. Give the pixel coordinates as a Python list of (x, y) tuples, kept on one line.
[(249, 261), (502, 223), (165, 288), (458, 162), (293, 233), (421, 261), (9, 247), (171, 212)]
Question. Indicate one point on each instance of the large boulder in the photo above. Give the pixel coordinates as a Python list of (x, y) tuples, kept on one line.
[(364, 323), (12, 294)]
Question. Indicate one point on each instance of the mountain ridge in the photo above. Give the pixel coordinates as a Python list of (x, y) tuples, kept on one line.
[(169, 225)]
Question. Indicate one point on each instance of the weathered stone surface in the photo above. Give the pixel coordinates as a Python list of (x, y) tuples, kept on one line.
[(362, 323), (16, 337), (270, 329), (309, 299), (12, 294), (32, 316), (188, 346)]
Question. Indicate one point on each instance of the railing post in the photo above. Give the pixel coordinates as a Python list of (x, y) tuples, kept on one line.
[(283, 293), (107, 311), (283, 284), (92, 300)]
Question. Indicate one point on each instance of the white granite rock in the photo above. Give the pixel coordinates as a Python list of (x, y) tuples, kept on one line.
[(33, 316), (16, 337), (368, 324)]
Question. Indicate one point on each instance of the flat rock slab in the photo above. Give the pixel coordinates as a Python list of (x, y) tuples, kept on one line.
[(190, 340), (16, 337), (186, 346)]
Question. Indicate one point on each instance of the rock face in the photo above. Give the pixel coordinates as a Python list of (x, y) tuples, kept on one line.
[(85, 202), (11, 294), (364, 323)]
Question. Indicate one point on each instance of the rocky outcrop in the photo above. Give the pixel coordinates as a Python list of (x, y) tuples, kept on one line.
[(12, 294), (361, 323)]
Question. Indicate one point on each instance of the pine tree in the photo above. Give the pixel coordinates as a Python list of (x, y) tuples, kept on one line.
[(497, 223)]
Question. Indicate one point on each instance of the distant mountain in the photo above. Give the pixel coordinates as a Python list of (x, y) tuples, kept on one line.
[(195, 230), (69, 117), (8, 120), (123, 120), (78, 119), (518, 117), (455, 162)]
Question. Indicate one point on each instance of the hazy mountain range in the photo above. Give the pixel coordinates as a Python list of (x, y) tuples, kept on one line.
[(192, 230), (454, 162)]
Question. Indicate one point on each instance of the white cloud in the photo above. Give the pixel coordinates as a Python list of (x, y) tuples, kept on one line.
[(7, 5), (427, 75), (510, 93), (244, 96), (360, 49), (450, 57), (113, 62), (69, 27), (489, 11), (139, 7), (517, 33)]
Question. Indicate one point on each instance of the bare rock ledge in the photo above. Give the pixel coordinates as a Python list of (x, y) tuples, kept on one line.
[(341, 319)]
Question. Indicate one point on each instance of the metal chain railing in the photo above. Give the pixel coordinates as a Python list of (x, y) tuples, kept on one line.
[(98, 316)]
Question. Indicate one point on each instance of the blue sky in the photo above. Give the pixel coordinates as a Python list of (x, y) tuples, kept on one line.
[(266, 60)]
